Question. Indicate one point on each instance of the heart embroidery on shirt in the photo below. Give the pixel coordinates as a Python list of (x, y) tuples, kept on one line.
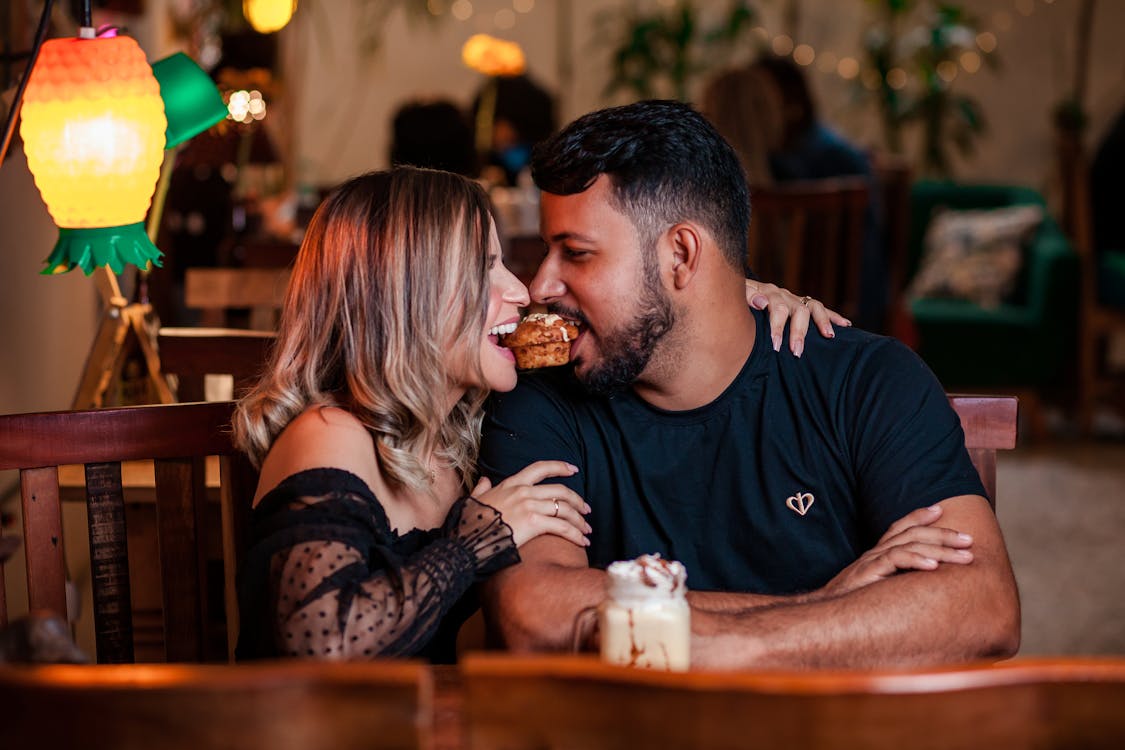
[(800, 503)]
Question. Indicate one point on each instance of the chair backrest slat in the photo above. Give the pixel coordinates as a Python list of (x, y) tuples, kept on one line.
[(193, 353), (43, 540), (181, 498), (990, 424), (109, 563), (218, 290), (808, 236), (238, 481), (128, 433)]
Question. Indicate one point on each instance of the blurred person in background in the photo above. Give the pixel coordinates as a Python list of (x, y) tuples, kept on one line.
[(433, 134), (744, 105), (523, 115), (811, 150)]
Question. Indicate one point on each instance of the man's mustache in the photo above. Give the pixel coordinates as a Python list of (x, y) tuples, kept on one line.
[(567, 312)]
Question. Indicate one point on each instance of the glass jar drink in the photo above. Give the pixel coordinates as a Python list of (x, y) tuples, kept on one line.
[(646, 621)]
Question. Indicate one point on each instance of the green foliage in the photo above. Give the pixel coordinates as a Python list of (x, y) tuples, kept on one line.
[(659, 53), (940, 33)]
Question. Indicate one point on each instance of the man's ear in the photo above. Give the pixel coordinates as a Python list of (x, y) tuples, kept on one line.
[(686, 242)]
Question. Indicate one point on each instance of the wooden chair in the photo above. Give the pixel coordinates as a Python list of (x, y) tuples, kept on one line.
[(808, 236), (178, 437), (989, 423), (1098, 323), (578, 702), (193, 353), (893, 177), (217, 291), (280, 706)]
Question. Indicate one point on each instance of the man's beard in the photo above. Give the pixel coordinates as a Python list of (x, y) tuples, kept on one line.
[(625, 353)]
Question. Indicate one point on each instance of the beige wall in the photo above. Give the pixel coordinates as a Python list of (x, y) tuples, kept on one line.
[(346, 101), (346, 105)]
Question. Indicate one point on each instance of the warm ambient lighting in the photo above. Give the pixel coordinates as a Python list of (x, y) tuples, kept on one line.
[(268, 16), (246, 106), (493, 57), (94, 133)]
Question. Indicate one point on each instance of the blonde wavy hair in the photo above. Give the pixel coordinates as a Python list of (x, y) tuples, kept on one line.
[(385, 306)]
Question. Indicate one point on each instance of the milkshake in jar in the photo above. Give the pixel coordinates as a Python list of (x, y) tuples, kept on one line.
[(646, 621)]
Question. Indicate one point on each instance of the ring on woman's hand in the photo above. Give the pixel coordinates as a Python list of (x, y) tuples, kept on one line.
[(805, 300), (556, 513)]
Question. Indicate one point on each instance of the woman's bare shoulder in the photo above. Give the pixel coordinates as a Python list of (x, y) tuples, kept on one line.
[(320, 437)]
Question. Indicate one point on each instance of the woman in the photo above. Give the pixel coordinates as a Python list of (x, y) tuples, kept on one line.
[(745, 106), (368, 531)]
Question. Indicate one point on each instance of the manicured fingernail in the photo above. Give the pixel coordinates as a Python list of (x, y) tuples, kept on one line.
[(964, 537), (929, 562), (585, 542), (777, 342), (797, 348), (586, 508), (935, 508), (572, 467), (589, 528), (759, 301), (829, 333)]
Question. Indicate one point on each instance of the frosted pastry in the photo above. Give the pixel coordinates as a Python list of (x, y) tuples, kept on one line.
[(541, 340)]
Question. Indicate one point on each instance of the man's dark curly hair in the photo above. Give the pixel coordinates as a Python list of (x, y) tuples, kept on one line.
[(667, 164)]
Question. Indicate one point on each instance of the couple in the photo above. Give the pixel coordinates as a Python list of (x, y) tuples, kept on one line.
[(682, 427)]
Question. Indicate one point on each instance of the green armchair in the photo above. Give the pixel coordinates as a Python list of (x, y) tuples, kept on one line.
[(1025, 343)]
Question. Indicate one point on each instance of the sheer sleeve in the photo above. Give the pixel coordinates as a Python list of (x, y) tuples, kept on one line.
[(337, 587)]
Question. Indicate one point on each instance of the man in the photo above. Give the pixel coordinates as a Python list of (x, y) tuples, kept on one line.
[(824, 505)]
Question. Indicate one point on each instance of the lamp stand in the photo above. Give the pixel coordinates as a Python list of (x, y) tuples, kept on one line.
[(125, 328)]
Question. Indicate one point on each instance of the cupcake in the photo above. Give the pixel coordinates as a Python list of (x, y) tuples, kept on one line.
[(541, 340)]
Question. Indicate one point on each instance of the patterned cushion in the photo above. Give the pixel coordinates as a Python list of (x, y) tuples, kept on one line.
[(974, 255)]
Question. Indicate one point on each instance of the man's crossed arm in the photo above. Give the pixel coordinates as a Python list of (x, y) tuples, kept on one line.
[(937, 587)]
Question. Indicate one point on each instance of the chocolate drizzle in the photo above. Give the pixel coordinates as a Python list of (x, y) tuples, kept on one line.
[(635, 651)]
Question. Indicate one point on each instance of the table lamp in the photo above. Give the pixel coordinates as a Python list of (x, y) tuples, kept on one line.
[(93, 126)]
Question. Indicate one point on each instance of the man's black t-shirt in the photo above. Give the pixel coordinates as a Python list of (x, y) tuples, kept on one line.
[(774, 487)]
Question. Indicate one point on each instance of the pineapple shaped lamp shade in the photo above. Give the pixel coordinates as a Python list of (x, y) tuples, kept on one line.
[(93, 126)]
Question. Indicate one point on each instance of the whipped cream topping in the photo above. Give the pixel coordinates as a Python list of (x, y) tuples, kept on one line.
[(647, 577), (549, 319)]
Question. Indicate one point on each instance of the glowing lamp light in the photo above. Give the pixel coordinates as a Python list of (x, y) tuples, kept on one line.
[(93, 131), (268, 16), (493, 57)]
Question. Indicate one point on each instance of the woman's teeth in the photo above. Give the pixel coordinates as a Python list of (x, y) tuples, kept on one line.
[(502, 330)]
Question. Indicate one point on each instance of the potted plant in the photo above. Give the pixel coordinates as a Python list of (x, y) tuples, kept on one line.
[(659, 52)]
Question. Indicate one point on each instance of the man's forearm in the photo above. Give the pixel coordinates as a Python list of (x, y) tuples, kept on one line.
[(954, 613), (886, 624), (729, 603), (542, 606)]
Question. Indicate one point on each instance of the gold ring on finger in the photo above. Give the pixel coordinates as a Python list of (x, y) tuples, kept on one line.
[(805, 300)]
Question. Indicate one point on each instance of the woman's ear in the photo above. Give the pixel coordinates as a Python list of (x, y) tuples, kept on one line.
[(686, 242)]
